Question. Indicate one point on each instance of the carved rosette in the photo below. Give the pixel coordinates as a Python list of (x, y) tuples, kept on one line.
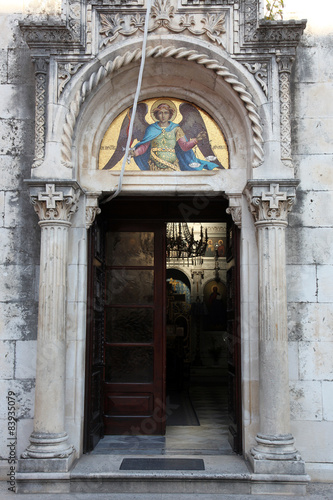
[(41, 69), (52, 204), (270, 202), (284, 64)]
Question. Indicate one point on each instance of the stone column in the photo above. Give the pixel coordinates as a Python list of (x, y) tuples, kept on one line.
[(54, 206), (270, 202)]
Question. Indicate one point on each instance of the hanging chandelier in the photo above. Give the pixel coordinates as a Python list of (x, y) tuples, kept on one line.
[(181, 243)]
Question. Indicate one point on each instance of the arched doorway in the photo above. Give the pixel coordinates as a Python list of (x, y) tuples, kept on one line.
[(172, 365)]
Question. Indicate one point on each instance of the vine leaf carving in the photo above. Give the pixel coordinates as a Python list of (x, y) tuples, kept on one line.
[(214, 27), (162, 16)]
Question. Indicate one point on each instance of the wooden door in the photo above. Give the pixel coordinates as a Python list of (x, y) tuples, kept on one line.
[(93, 420), (134, 352), (234, 337)]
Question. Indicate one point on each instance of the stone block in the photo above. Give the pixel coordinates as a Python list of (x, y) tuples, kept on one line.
[(13, 169), (309, 245), (18, 320), (17, 283), (4, 435), (18, 137), (308, 210), (314, 440), (2, 208), (3, 66), (306, 65), (325, 283), (301, 283), (293, 360), (315, 172), (310, 321), (25, 427), (314, 100), (305, 400), (24, 397), (327, 387), (315, 360), (26, 354), (21, 69), (7, 355), (312, 135), (16, 102)]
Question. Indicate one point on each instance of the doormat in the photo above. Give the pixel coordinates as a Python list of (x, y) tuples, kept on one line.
[(162, 464)]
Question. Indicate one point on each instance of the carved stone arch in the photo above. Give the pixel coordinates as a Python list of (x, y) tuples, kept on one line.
[(230, 74)]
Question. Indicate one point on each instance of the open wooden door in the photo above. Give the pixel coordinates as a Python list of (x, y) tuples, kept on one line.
[(234, 337), (93, 420), (134, 348)]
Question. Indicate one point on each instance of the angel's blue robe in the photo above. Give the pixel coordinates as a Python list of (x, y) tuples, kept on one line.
[(184, 157)]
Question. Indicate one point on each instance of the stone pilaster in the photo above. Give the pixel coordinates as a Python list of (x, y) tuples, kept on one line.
[(54, 205), (270, 202)]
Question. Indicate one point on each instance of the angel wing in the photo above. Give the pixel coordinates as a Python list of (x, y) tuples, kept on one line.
[(139, 128), (192, 124)]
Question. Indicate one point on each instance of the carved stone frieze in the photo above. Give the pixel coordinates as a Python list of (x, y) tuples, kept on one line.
[(41, 70), (163, 17), (285, 63), (56, 33), (260, 72), (261, 32), (271, 201), (55, 203)]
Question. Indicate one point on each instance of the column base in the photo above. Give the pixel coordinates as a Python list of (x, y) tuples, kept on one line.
[(46, 464), (276, 455), (47, 452)]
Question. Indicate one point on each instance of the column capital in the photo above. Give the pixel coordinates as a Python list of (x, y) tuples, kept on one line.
[(92, 208), (235, 208), (54, 200), (270, 201)]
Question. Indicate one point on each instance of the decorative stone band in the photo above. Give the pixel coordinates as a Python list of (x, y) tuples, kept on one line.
[(159, 51), (41, 69), (271, 201), (52, 203), (285, 63)]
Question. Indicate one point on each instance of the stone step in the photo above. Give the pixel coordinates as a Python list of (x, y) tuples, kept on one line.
[(97, 474)]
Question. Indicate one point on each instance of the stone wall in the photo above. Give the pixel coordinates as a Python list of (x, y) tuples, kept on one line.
[(19, 234), (310, 251)]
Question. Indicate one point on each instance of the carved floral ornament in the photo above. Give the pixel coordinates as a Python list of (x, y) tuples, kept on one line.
[(163, 15)]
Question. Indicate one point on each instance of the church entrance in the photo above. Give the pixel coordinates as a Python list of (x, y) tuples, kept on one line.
[(163, 330)]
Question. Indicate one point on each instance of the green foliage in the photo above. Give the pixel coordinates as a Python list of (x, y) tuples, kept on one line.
[(274, 9)]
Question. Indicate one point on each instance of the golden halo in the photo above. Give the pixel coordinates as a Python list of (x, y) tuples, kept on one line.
[(163, 101)]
